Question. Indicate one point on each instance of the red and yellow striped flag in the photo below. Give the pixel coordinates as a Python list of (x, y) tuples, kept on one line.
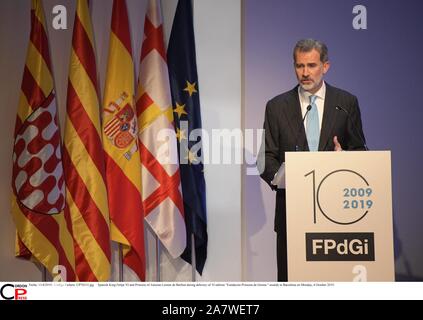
[(83, 158), (162, 196), (38, 200), (120, 135)]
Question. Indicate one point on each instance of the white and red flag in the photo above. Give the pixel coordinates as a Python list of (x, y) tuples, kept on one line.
[(161, 193)]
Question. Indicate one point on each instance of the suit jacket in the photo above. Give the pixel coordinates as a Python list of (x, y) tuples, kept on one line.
[(284, 130)]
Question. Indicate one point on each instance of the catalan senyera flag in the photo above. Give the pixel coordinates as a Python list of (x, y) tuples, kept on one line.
[(162, 195), (44, 232), (120, 141), (185, 97), (83, 157)]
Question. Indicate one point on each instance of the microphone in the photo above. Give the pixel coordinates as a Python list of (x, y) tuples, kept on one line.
[(299, 131), (339, 108)]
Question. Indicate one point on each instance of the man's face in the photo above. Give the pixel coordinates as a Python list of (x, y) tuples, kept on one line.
[(310, 70)]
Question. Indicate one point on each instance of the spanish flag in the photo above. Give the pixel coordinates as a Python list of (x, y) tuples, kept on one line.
[(83, 158), (120, 141), (44, 230)]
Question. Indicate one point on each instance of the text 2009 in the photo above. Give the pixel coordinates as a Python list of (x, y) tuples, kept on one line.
[(358, 202)]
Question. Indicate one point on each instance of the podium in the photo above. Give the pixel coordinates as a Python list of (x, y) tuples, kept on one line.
[(339, 216)]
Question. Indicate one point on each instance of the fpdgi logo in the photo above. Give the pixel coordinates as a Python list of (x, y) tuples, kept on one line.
[(340, 246)]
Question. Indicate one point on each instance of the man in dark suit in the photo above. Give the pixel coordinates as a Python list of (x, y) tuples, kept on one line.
[(287, 127)]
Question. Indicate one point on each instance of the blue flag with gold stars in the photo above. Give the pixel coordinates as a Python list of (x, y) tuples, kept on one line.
[(185, 99)]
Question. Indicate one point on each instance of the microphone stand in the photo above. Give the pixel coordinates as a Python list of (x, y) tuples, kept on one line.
[(301, 126), (339, 108)]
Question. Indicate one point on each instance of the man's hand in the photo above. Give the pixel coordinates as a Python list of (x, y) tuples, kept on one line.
[(337, 144)]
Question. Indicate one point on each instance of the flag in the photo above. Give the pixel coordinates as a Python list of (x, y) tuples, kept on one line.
[(83, 158), (185, 99), (120, 141), (44, 231), (162, 199)]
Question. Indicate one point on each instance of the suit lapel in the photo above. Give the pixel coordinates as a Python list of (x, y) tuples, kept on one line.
[(329, 115), (294, 116)]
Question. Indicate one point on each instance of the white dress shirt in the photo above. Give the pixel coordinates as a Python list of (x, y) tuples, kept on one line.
[(305, 102), (279, 178)]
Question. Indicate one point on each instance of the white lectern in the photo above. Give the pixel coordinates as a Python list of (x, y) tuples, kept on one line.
[(339, 216)]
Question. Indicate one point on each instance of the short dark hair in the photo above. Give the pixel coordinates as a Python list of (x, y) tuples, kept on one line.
[(306, 45)]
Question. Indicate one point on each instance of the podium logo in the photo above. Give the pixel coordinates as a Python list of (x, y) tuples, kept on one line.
[(340, 247)]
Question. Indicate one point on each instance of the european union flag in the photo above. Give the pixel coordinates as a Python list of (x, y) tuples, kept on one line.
[(185, 98)]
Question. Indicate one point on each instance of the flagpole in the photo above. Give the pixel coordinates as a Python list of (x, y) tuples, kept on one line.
[(120, 263), (158, 254), (43, 274), (193, 261)]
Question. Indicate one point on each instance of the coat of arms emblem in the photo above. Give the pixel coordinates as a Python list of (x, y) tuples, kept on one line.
[(122, 128)]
